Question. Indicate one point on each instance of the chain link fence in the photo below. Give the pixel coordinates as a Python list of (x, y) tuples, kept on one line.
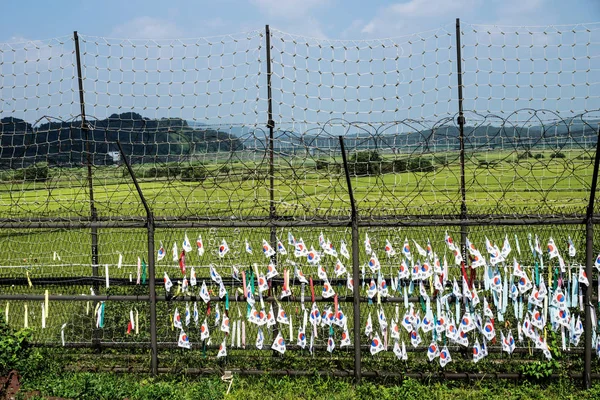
[(268, 202)]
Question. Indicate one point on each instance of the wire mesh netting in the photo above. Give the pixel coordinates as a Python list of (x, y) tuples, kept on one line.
[(190, 117)]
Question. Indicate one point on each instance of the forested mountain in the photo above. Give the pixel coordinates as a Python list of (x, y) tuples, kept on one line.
[(445, 138), (145, 140), (148, 140)]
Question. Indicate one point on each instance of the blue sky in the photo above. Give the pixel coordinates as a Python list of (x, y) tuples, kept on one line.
[(334, 19), (222, 80)]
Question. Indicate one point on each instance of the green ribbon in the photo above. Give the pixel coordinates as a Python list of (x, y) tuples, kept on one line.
[(227, 301), (423, 306), (555, 279), (537, 274), (251, 278), (101, 311), (144, 271)]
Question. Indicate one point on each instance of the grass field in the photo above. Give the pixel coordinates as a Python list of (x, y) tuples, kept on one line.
[(495, 182), (110, 386), (538, 186)]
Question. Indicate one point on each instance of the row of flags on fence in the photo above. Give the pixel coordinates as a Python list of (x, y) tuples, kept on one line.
[(412, 322), (535, 306), (300, 249), (496, 254), (530, 325)]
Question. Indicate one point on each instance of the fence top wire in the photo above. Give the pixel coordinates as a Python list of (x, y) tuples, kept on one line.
[(191, 115)]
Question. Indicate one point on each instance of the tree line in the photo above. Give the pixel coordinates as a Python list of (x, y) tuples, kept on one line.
[(66, 143)]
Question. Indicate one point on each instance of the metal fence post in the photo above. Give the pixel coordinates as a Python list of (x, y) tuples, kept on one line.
[(589, 253), (93, 212), (461, 140), (151, 271), (84, 128), (271, 126), (355, 268)]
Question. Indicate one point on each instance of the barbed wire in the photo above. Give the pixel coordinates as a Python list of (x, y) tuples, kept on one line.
[(191, 116), (412, 165)]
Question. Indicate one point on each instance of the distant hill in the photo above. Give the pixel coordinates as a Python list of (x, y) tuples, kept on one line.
[(144, 140), (444, 138), (173, 139)]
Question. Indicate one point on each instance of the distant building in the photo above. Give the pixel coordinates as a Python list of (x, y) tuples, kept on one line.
[(116, 156)]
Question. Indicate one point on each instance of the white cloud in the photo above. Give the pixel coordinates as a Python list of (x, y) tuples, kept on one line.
[(18, 39), (308, 26), (426, 8), (41, 54), (290, 9), (415, 16), (350, 31), (147, 28), (294, 16), (521, 12)]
